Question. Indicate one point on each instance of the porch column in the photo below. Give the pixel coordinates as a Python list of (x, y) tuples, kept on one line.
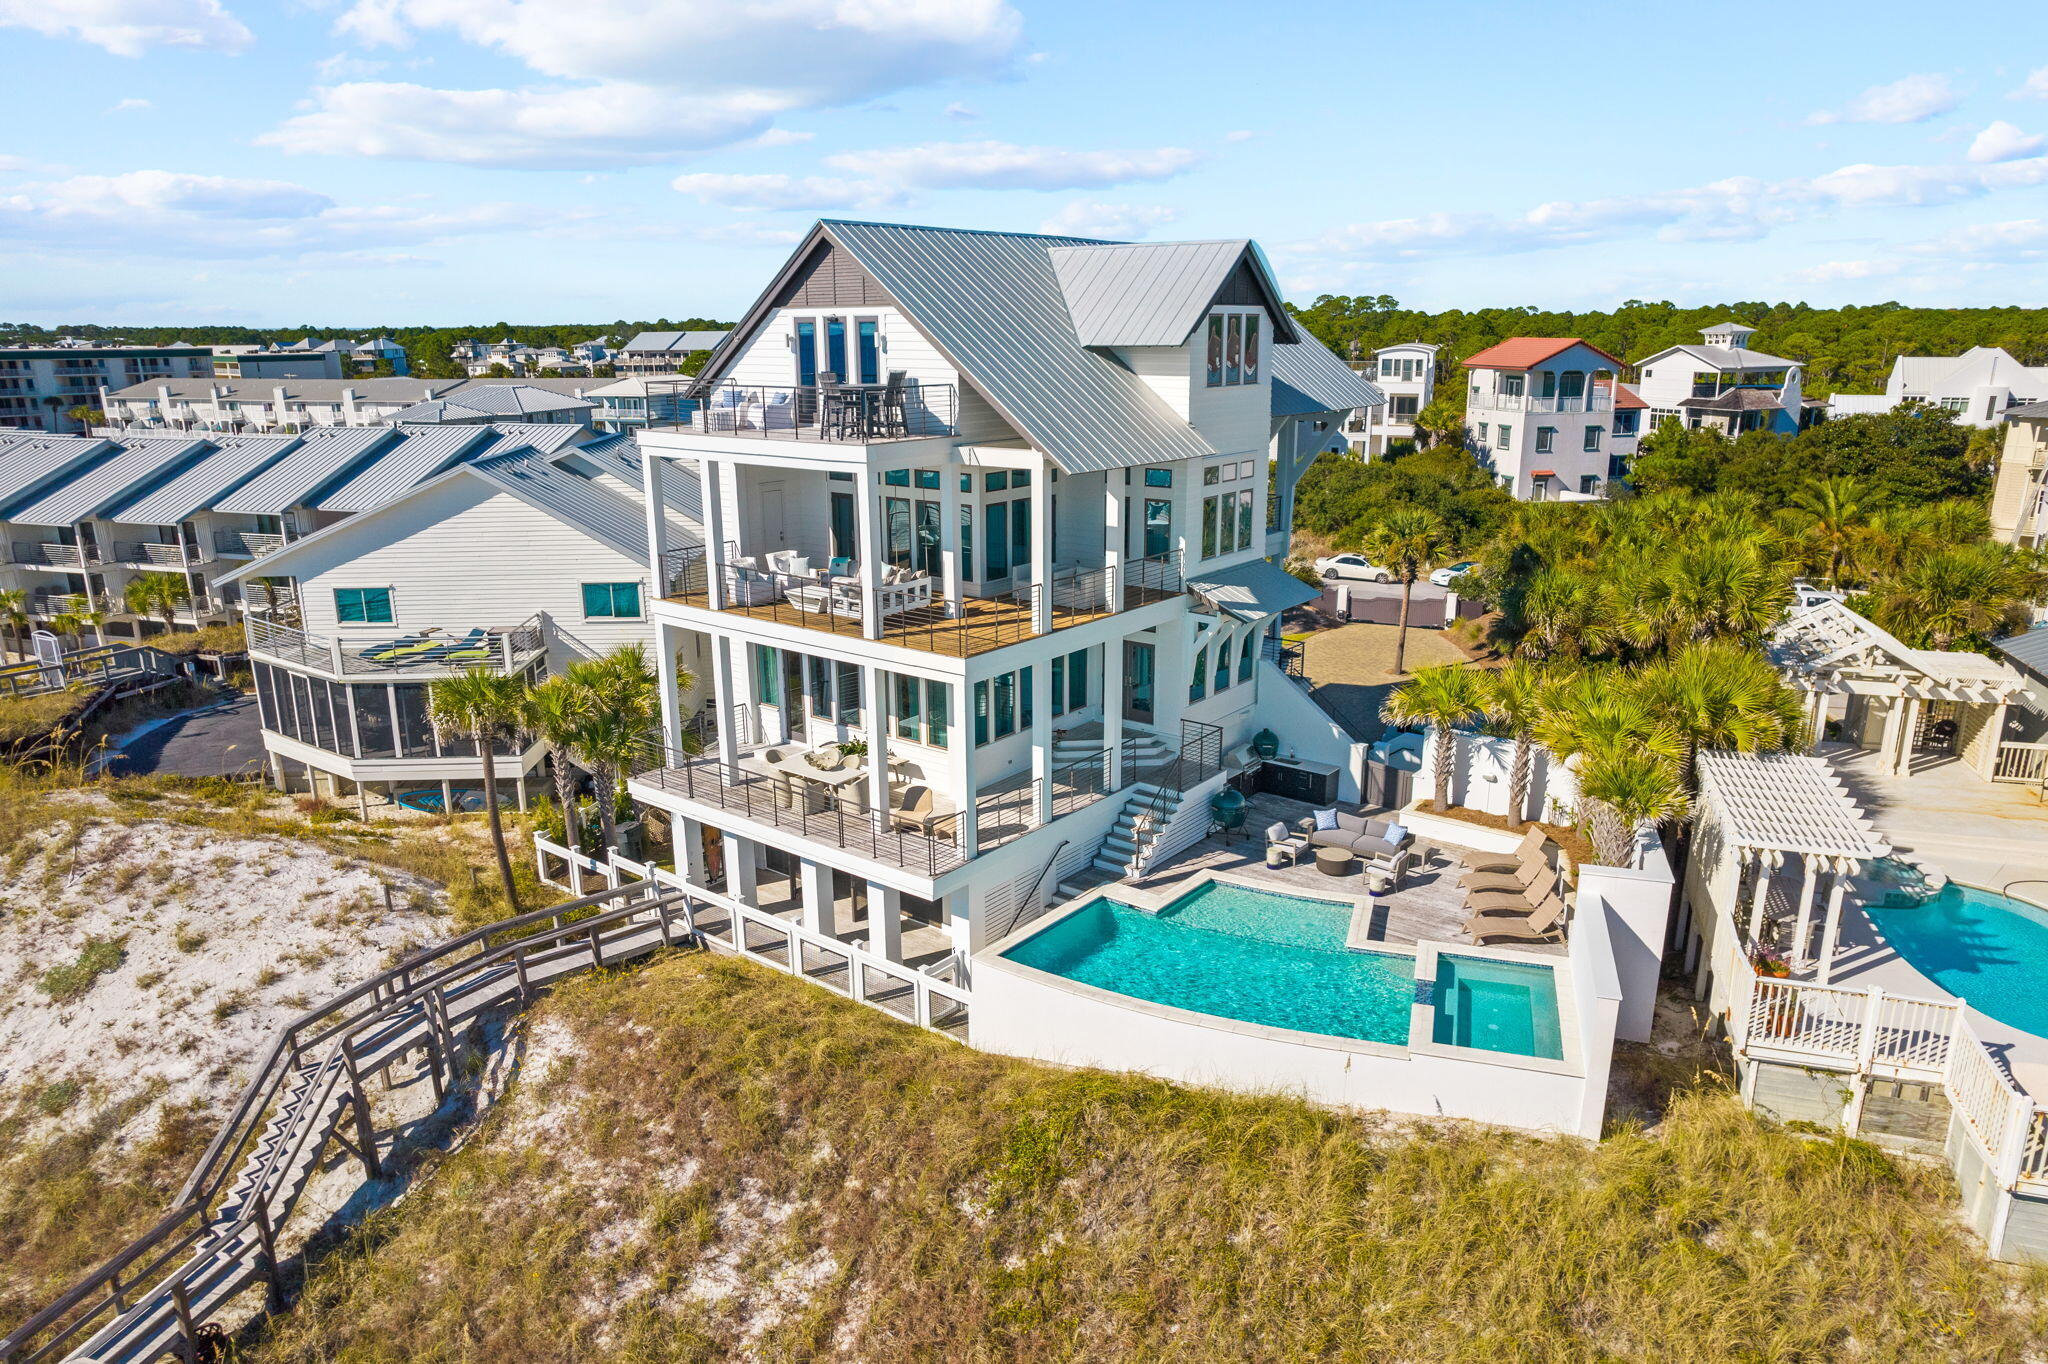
[(1113, 532), (867, 528), (657, 523), (885, 921), (1909, 728), (1759, 896), (671, 696), (691, 863), (875, 722), (965, 923), (1992, 736), (817, 897), (740, 869), (711, 477), (1831, 932), (1817, 719), (722, 680), (960, 760), (1113, 708), (1803, 931), (1041, 547), (950, 574), (1041, 743)]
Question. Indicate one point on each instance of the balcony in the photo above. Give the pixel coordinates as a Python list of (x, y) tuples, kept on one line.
[(151, 554), (47, 604), (1517, 402), (853, 414), (912, 613), (35, 554), (244, 544), (433, 651)]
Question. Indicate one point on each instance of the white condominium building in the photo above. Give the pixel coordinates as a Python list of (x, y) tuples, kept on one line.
[(984, 575), (2019, 500), (1406, 373), (1550, 417)]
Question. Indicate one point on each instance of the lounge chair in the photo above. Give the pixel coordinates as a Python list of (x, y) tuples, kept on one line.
[(1514, 902), (911, 808), (1518, 880), (1278, 836), (1532, 843), (1546, 924)]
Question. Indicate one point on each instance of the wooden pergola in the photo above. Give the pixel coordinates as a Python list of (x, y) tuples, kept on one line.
[(1776, 806), (1828, 650)]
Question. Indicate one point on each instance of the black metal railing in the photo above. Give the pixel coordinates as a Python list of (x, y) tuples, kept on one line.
[(900, 409), (1285, 657)]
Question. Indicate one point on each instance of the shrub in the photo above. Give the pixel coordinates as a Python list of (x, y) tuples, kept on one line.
[(100, 955)]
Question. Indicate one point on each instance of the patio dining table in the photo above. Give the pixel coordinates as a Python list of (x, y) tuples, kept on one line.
[(798, 766)]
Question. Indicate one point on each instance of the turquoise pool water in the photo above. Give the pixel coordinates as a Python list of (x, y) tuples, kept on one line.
[(1497, 1006), (1989, 949), (1234, 952)]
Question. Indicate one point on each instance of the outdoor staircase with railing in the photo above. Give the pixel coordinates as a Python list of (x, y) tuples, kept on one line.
[(1146, 811)]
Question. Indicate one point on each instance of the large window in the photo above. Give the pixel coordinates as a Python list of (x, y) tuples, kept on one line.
[(938, 706), (611, 601), (908, 707), (373, 721), (1070, 682), (363, 605), (767, 674), (1006, 704), (1233, 349), (870, 336), (1226, 523), (806, 352), (1002, 705), (1251, 348), (1199, 686), (835, 347), (1158, 527), (997, 560), (1215, 356), (845, 531), (1248, 656), (415, 730), (1222, 665)]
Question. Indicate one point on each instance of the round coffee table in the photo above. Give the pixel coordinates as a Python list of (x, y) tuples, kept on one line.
[(1335, 861)]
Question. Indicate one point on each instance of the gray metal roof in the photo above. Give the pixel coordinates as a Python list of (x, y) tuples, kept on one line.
[(323, 454), (675, 341), (2029, 648), (140, 465), (992, 303), (1307, 377), (544, 437), (1253, 590), (236, 460), (384, 391), (30, 464), (491, 400), (2031, 412), (1142, 293), (425, 452), (602, 512)]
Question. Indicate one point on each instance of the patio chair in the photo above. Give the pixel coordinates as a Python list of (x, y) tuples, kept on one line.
[(918, 810), (1520, 879), (891, 419), (1532, 842), (1545, 925), (1514, 902), (1280, 839)]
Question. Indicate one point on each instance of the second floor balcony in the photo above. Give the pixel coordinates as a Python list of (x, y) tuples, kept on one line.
[(432, 651), (856, 414), (1523, 402), (38, 554), (244, 544), (154, 554)]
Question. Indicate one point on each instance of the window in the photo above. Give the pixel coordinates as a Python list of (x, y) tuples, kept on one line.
[(1158, 527), (1059, 685), (1215, 360), (928, 478), (767, 675), (997, 482), (373, 721), (998, 554), (415, 730), (1589, 483), (967, 543), (1210, 509), (1077, 679), (1251, 348), (611, 601), (845, 534), (1625, 423), (1244, 468), (835, 346), (1006, 704), (1199, 688), (1212, 475), (363, 605), (1511, 385), (869, 349), (1954, 404), (1222, 666), (1159, 478), (938, 705), (981, 702), (1247, 656), (1503, 436), (1020, 532), (806, 352), (1546, 438), (896, 478), (1593, 437), (1482, 433), (1024, 698), (1233, 349), (909, 692)]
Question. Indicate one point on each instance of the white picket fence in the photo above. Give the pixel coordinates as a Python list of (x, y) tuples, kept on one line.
[(937, 998)]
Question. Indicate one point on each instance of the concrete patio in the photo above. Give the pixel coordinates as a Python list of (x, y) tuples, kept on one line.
[(1982, 833)]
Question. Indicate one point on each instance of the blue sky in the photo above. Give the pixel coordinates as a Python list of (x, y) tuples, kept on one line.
[(344, 162)]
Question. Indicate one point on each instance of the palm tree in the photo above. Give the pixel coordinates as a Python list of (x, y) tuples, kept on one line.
[(623, 706), (1404, 544), (14, 615), (1719, 695), (1442, 421), (1834, 514), (68, 625), (1513, 699), (1443, 698), (155, 594), (486, 706), (1957, 593), (1624, 755), (556, 711), (1719, 588), (1567, 615), (1623, 789)]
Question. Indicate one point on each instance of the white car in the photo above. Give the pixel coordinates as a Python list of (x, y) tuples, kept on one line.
[(1449, 574), (1356, 566)]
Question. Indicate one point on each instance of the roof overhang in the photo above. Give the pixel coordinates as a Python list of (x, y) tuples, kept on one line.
[(1253, 591)]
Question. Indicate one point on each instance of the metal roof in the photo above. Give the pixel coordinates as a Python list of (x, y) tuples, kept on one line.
[(140, 464), (1307, 377), (1253, 590), (235, 461), (544, 437), (1149, 293), (29, 464), (2029, 649), (323, 454), (423, 453), (606, 515), (675, 341), (1787, 802), (992, 304), (304, 390), (492, 400)]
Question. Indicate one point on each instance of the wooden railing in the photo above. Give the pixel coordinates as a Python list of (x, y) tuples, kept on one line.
[(100, 663), (2024, 763)]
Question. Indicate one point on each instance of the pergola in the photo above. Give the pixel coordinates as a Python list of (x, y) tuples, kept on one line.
[(1776, 805), (1828, 650)]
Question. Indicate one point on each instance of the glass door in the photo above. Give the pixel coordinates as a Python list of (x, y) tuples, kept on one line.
[(1138, 682), (928, 537)]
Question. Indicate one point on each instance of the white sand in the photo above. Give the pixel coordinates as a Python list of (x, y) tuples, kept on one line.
[(227, 939)]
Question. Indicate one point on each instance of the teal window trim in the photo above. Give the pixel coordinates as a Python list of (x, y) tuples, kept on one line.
[(611, 601), (363, 606)]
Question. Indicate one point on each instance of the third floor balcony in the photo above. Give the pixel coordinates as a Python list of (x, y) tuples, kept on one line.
[(855, 414)]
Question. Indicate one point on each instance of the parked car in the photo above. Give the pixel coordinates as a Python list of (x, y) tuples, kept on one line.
[(1449, 574), (1806, 596), (1357, 566)]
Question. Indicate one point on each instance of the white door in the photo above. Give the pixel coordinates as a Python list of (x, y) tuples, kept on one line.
[(774, 524)]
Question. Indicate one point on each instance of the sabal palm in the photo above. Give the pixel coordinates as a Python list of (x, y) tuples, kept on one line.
[(556, 711), (1623, 789), (1514, 698), (1568, 615), (1719, 695), (155, 594), (1716, 589), (1614, 742), (1405, 544), (14, 612), (68, 625), (486, 706), (1956, 593), (1835, 513), (1442, 697), (623, 707)]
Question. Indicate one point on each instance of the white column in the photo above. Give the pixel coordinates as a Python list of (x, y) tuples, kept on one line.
[(1113, 708), (867, 524), (1817, 719), (665, 671), (960, 758), (1802, 933), (1041, 742), (885, 921), (1909, 726), (874, 682), (1759, 896), (1831, 933), (657, 524), (1041, 547), (691, 863), (712, 480), (722, 682), (817, 897), (740, 866), (1113, 526), (949, 537), (1993, 736)]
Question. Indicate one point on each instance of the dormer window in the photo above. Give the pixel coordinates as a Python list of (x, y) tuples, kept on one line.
[(1233, 350)]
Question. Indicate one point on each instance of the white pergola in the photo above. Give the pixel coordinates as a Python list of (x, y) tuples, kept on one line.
[(1828, 650), (1777, 805)]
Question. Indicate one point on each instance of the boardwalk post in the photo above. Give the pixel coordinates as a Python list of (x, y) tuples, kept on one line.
[(274, 1296), (366, 1135), (187, 1333)]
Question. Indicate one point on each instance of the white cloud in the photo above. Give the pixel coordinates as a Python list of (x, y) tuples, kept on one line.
[(2018, 241), (1239, 135), (782, 137), (169, 192), (128, 28), (633, 81), (347, 66), (1004, 165), (1831, 271), (127, 106), (808, 192), (750, 233), (1083, 218), (14, 163), (1908, 100), (2001, 141), (963, 113), (2035, 86)]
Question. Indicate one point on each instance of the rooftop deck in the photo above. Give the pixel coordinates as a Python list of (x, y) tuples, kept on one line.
[(434, 651)]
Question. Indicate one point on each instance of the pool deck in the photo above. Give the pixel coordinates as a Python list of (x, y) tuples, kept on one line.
[(1982, 833), (1429, 905)]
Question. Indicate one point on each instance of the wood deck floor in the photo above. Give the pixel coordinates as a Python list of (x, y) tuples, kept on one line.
[(984, 623)]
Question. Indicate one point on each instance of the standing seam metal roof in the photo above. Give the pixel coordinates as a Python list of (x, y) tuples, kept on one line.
[(1142, 294), (423, 453), (27, 465), (1307, 377), (613, 518), (992, 303), (140, 464), (322, 455), (236, 460)]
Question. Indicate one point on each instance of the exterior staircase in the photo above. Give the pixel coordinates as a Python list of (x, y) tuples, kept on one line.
[(1147, 809)]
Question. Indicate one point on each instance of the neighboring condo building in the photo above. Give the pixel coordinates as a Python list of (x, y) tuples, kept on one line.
[(1980, 386), (2019, 499), (1022, 574), (1406, 373), (1550, 417), (663, 352), (40, 387), (300, 404), (1723, 385)]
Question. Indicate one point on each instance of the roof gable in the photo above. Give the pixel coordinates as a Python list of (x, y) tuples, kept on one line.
[(1156, 293), (1521, 352)]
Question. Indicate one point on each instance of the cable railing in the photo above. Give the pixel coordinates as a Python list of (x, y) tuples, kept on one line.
[(898, 409)]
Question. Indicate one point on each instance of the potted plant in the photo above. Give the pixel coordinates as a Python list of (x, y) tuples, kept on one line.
[(855, 748), (1769, 963)]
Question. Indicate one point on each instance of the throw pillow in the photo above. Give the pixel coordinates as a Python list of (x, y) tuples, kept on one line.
[(1394, 833), (1326, 819)]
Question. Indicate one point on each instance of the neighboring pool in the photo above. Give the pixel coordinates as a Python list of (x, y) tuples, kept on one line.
[(1497, 1006), (1988, 949), (1235, 952)]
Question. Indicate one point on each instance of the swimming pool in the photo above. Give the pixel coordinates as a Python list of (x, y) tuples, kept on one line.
[(1988, 949), (1235, 952), (1500, 1006)]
